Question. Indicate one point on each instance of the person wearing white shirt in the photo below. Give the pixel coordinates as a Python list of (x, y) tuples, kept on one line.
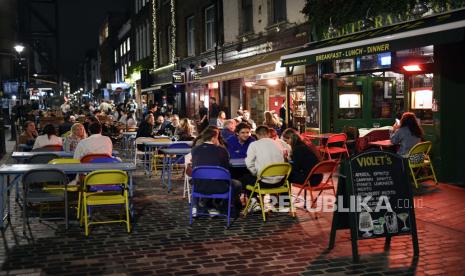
[(65, 107), (262, 153), (96, 143), (48, 138)]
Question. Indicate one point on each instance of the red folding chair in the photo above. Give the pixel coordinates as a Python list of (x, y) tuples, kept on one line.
[(336, 144), (324, 167)]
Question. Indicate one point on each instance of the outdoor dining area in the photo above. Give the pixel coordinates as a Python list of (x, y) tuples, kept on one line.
[(247, 173)]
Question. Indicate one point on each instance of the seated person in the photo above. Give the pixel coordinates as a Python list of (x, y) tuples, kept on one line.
[(185, 130), (304, 157), (238, 144), (66, 126), (246, 119), (29, 135), (406, 134), (96, 143), (160, 125), (286, 148), (211, 153), (146, 127), (260, 154), (49, 137), (77, 134), (173, 123), (228, 129), (221, 119)]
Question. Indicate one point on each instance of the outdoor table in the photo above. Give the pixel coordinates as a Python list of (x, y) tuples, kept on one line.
[(25, 147), (382, 144), (168, 156), (237, 163), (21, 156), (150, 148), (17, 170)]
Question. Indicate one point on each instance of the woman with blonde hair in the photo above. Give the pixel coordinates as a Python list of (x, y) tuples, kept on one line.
[(184, 130), (78, 133), (271, 122)]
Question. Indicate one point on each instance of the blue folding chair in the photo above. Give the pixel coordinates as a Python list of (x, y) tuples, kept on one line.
[(105, 160), (211, 173)]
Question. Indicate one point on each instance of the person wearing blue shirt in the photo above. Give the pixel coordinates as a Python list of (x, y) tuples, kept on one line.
[(228, 129), (238, 144)]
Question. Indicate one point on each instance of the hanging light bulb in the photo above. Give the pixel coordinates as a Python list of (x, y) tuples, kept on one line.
[(332, 32), (419, 9)]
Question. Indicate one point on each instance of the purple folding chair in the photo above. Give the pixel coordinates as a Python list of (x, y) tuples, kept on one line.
[(211, 173), (105, 187)]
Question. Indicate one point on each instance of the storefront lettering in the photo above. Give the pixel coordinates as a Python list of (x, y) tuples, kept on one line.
[(374, 161), (378, 48), (327, 56)]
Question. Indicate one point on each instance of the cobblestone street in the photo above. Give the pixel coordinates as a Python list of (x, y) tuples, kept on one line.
[(163, 243)]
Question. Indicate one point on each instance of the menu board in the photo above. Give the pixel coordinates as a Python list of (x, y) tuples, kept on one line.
[(311, 96), (382, 194)]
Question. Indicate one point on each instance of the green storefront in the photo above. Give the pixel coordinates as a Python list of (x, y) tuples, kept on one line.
[(366, 79)]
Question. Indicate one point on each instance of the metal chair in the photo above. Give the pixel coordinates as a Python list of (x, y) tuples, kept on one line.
[(419, 162), (49, 148), (336, 144), (211, 173), (272, 170), (94, 195), (34, 182), (89, 157), (42, 158), (324, 167)]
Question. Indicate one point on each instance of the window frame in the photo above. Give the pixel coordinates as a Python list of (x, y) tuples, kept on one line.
[(273, 18), (190, 35), (210, 24)]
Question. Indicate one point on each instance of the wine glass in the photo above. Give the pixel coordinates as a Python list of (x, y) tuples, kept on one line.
[(365, 224), (403, 217)]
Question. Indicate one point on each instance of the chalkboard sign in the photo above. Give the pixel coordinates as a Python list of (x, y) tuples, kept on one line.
[(311, 95), (378, 180), (374, 199)]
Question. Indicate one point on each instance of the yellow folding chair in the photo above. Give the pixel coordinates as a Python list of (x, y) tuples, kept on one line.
[(419, 162), (272, 170), (99, 190)]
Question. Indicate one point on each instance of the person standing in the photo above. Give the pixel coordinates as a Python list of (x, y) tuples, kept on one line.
[(214, 111), (203, 118)]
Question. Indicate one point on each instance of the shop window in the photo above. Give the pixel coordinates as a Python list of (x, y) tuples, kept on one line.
[(344, 65), (421, 97), (381, 99), (373, 62), (349, 100)]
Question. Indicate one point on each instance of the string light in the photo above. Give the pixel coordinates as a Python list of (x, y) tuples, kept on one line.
[(155, 36), (173, 32)]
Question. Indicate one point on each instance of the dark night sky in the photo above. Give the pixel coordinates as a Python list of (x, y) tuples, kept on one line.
[(80, 21)]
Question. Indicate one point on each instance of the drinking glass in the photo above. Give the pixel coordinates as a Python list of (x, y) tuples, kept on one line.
[(391, 222), (365, 224), (403, 217), (376, 125), (378, 227)]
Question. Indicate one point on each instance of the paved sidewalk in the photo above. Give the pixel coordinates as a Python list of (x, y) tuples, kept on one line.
[(163, 243)]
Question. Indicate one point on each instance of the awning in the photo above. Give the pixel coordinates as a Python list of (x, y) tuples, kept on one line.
[(437, 29), (246, 67)]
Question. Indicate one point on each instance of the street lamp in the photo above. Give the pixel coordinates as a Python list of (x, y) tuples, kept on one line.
[(98, 81), (19, 48)]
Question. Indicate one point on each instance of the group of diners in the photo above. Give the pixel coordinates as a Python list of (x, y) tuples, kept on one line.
[(79, 140), (263, 149)]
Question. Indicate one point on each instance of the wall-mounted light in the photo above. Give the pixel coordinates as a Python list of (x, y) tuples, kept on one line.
[(213, 85), (412, 68), (249, 83), (19, 48), (273, 82)]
